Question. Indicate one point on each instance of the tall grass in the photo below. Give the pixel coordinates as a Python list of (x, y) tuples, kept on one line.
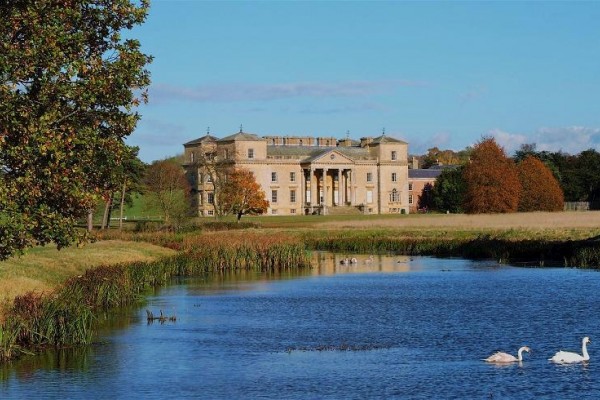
[(502, 246), (67, 316)]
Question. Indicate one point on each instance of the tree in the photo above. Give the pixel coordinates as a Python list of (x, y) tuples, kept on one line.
[(242, 195), (492, 181), (437, 156), (586, 175), (215, 170), (169, 190), (541, 191), (132, 173), (448, 193), (69, 87)]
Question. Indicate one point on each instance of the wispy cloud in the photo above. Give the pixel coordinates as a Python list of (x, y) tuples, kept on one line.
[(355, 108), (570, 139), (152, 132), (420, 144), (158, 139), (268, 92)]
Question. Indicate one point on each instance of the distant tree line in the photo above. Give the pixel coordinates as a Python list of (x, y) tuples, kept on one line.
[(486, 180)]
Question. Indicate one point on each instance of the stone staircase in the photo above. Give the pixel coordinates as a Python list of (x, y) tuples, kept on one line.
[(343, 210)]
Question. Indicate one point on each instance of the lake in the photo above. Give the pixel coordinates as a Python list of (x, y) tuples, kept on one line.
[(394, 327)]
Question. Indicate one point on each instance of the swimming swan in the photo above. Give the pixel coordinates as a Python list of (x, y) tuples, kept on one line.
[(501, 357), (566, 357)]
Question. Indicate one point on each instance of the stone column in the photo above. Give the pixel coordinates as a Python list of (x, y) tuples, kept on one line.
[(325, 191), (339, 185), (313, 188), (352, 192), (303, 189)]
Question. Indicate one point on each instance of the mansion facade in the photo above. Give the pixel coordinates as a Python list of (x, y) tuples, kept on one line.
[(307, 175)]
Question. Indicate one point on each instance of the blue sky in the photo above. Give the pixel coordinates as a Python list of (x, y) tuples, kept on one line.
[(430, 73)]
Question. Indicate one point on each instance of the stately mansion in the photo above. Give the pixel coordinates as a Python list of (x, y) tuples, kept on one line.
[(308, 175)]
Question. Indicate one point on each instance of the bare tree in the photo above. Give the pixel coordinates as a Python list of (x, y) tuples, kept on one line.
[(212, 167)]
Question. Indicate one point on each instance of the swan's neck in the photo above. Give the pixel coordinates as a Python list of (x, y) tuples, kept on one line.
[(586, 356), (520, 355)]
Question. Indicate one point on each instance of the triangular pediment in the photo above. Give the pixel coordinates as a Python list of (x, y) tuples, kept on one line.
[(331, 157)]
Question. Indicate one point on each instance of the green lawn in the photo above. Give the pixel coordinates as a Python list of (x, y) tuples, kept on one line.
[(139, 209)]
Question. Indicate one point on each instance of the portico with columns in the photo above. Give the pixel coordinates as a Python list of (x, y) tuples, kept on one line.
[(329, 181)]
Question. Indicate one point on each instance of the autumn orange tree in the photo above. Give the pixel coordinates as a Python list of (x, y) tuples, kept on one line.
[(541, 190), (492, 181), (70, 83), (242, 195)]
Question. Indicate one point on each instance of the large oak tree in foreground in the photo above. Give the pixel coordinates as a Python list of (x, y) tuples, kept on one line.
[(69, 87), (492, 181)]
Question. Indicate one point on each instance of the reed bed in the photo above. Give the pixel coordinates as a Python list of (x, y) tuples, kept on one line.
[(67, 316), (502, 246)]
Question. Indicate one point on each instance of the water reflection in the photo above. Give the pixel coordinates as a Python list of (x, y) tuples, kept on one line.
[(374, 330), (62, 360), (331, 263)]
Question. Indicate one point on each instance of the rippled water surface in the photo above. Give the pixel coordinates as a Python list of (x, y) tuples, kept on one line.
[(392, 328)]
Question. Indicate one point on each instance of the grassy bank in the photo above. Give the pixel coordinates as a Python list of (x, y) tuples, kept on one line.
[(44, 268), (66, 316)]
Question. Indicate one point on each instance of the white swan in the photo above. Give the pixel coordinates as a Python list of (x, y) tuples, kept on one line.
[(567, 357), (344, 261), (369, 260), (353, 260), (501, 357)]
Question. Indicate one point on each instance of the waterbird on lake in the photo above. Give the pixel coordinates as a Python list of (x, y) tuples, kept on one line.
[(567, 357), (344, 261), (353, 260), (501, 357), (369, 260)]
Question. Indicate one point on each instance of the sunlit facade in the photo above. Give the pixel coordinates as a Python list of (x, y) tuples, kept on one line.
[(308, 175)]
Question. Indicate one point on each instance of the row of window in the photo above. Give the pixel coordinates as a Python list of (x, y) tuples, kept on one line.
[(274, 177), (394, 155), (394, 197)]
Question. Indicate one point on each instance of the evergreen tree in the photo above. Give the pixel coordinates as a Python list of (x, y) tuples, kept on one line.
[(448, 193)]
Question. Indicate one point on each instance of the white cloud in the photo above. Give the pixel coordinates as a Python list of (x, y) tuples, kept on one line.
[(420, 144), (571, 139), (510, 141), (266, 92)]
